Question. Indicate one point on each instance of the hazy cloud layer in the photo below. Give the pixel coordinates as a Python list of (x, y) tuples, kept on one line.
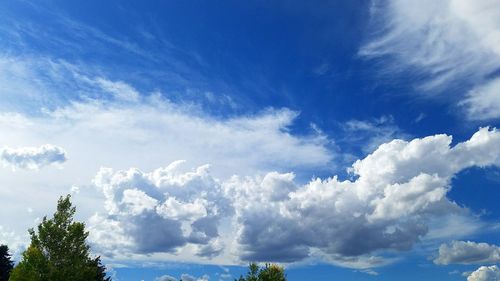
[(485, 273), (467, 252), (32, 158)]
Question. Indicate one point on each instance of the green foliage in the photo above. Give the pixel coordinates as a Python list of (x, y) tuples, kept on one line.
[(33, 267), (270, 272), (6, 263), (58, 251)]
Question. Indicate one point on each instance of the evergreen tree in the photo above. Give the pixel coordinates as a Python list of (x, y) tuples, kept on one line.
[(270, 272), (58, 251), (6, 263), (101, 270)]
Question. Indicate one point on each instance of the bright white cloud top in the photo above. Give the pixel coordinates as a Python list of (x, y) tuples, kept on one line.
[(485, 273), (32, 158)]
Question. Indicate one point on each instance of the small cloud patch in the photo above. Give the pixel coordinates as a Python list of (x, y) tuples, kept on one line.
[(32, 158)]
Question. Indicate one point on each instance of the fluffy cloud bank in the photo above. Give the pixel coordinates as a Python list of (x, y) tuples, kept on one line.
[(485, 273), (467, 253), (449, 41), (32, 158), (398, 191)]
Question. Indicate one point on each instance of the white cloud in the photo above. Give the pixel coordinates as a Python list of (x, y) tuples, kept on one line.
[(485, 273), (174, 209), (160, 211), (119, 89), (398, 195), (187, 277), (483, 102), (399, 191), (32, 158), (467, 252), (252, 143), (165, 278), (444, 43), (369, 134)]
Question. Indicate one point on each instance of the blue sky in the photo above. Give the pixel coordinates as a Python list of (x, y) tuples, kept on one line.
[(346, 140)]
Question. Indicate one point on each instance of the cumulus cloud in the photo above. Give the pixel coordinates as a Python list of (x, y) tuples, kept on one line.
[(400, 188), (444, 42), (485, 273), (398, 194), (32, 158), (165, 278), (161, 210), (467, 252)]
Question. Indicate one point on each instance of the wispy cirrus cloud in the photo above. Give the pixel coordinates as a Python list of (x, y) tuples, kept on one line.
[(483, 101), (147, 57), (448, 45), (369, 134)]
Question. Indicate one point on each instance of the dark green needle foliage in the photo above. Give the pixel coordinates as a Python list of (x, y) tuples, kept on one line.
[(270, 272), (6, 263), (58, 251)]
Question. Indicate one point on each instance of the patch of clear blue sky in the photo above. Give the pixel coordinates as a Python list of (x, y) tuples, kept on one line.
[(240, 57)]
